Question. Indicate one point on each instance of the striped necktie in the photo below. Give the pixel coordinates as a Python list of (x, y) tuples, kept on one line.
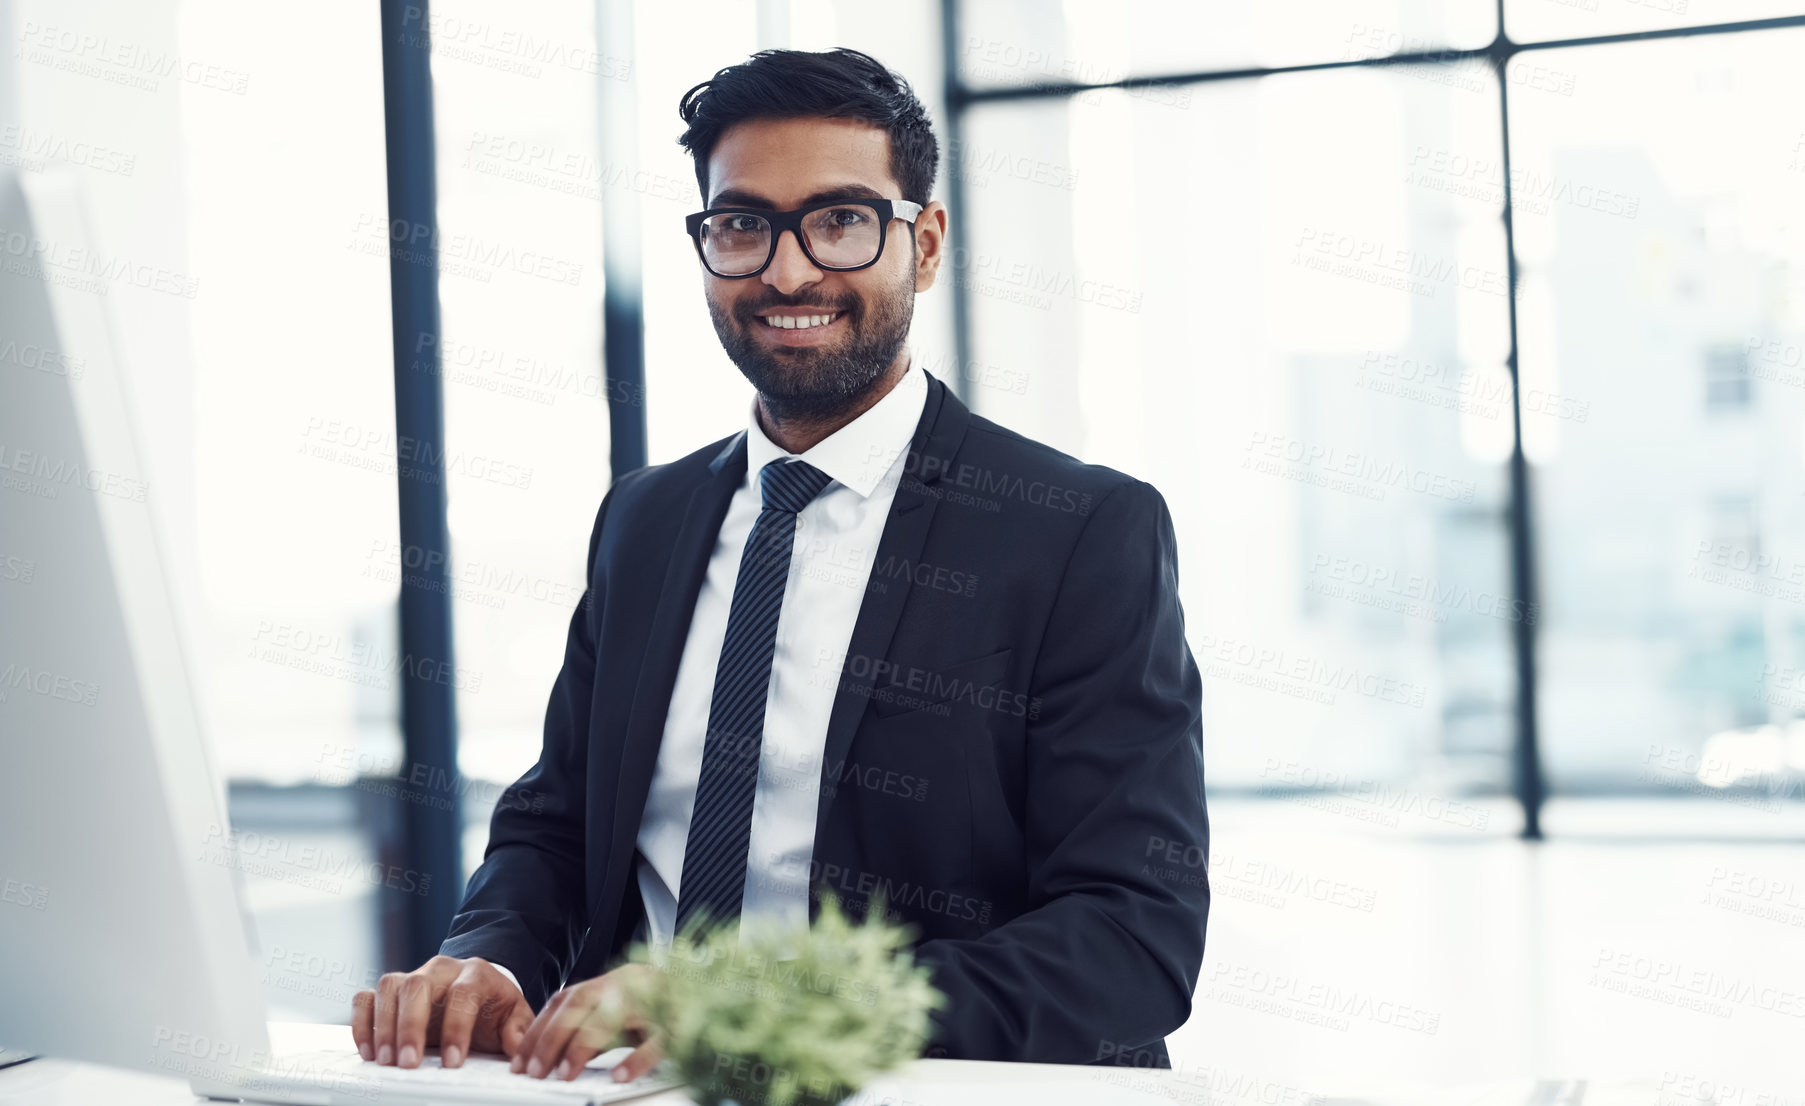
[(713, 880)]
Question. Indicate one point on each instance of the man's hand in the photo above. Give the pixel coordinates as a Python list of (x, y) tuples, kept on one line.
[(458, 1005), (583, 1020)]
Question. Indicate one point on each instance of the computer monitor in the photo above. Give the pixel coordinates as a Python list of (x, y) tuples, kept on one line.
[(122, 939)]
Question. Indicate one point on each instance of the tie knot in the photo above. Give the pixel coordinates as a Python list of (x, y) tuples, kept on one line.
[(791, 485)]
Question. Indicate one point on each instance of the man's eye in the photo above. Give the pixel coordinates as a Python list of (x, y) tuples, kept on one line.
[(742, 224), (846, 216)]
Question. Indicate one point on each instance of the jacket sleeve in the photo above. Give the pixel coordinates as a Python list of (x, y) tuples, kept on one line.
[(1117, 836), (524, 906)]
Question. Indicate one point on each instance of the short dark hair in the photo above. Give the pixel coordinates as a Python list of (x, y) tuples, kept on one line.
[(835, 84)]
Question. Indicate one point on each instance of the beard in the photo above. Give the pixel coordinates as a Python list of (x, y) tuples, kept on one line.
[(809, 383)]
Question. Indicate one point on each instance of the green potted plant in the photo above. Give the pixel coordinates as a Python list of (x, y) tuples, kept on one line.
[(760, 1016)]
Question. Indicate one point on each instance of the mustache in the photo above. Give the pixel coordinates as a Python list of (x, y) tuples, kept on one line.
[(748, 311)]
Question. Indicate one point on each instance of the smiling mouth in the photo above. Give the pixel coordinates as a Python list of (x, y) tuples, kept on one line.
[(800, 322)]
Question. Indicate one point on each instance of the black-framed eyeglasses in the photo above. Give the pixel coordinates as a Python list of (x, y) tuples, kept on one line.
[(840, 236)]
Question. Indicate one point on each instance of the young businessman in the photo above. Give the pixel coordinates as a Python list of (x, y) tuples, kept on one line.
[(871, 645)]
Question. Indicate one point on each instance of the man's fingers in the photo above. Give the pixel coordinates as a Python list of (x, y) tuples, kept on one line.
[(598, 1033), (530, 1039), (643, 1059), (418, 1008), (363, 1015), (464, 1006), (513, 1027), (561, 1026), (388, 988)]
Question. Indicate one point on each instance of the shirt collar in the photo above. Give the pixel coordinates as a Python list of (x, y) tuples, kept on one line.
[(861, 452)]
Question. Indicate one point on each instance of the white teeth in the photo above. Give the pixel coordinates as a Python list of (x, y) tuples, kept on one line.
[(799, 322)]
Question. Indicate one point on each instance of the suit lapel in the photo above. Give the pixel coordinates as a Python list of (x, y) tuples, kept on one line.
[(689, 558), (937, 438)]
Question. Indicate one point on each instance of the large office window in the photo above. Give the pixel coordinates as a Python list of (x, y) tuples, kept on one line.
[(292, 475), (1265, 268), (1663, 316), (1270, 300), (520, 180)]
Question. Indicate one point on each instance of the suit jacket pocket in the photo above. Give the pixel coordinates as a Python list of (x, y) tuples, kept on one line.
[(904, 687)]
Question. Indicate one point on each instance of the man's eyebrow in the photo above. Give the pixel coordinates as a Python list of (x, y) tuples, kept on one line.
[(735, 197)]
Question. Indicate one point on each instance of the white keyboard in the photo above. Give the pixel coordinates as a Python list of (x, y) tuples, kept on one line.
[(330, 1077)]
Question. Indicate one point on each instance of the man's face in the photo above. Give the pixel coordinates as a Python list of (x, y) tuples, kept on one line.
[(816, 371)]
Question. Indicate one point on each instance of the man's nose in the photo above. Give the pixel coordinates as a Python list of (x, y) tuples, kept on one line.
[(790, 268)]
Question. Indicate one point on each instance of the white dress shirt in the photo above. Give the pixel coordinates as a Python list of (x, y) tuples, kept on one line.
[(836, 546)]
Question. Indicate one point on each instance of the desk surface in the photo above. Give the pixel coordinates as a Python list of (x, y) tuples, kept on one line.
[(921, 1083)]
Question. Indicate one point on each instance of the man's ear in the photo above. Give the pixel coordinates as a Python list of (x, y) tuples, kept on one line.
[(930, 244)]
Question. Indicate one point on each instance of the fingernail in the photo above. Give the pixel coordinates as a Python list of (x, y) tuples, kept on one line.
[(563, 1071), (516, 1064), (536, 1068), (451, 1056), (620, 1073), (408, 1056), (365, 1051), (383, 1055)]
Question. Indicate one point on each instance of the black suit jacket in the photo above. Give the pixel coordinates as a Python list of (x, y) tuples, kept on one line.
[(1013, 758)]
